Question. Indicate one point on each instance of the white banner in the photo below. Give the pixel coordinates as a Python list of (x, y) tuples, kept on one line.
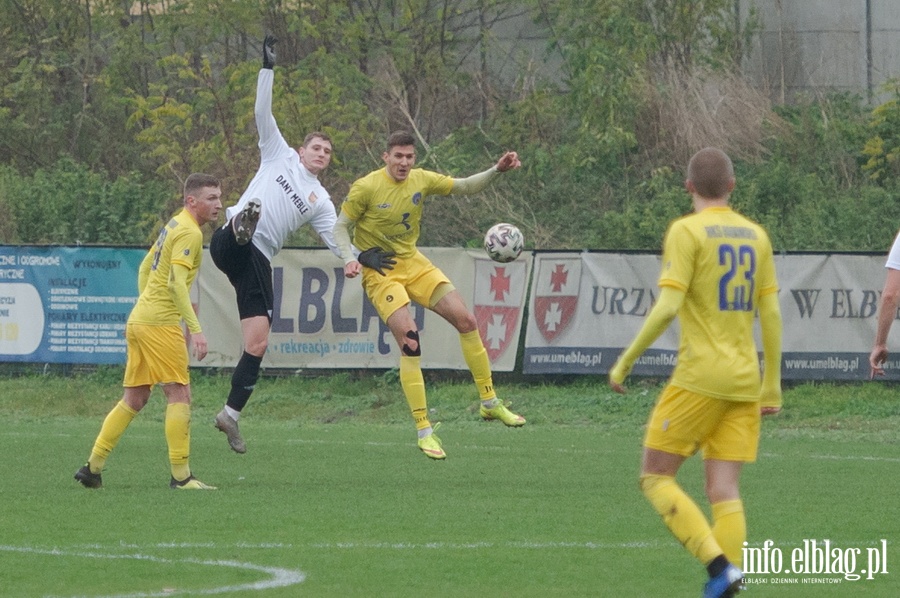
[(323, 320), (587, 307)]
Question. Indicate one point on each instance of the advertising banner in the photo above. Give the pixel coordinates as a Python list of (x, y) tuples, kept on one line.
[(70, 305), (66, 304), (587, 307), (829, 304), (323, 320)]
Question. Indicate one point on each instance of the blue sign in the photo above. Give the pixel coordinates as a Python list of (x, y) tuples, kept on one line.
[(66, 304)]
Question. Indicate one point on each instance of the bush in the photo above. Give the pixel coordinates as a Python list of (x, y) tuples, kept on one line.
[(68, 203)]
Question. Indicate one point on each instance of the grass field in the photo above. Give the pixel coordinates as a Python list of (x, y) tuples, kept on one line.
[(334, 499)]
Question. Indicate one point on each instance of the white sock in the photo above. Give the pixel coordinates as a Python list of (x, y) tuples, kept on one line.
[(232, 413), (425, 432), (490, 403)]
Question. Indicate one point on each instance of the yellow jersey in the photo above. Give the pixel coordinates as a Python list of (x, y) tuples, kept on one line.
[(388, 213), (179, 242), (723, 262)]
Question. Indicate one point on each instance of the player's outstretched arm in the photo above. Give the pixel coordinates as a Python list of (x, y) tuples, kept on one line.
[(272, 144), (478, 182), (268, 53), (659, 318), (508, 161)]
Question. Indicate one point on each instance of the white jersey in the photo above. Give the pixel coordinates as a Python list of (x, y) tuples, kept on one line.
[(291, 195), (893, 259)]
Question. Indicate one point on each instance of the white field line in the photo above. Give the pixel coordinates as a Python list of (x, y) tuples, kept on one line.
[(128, 545), (80, 551), (504, 448), (861, 458), (277, 577), (84, 550), (481, 545), (770, 455), (507, 448), (477, 447), (568, 450)]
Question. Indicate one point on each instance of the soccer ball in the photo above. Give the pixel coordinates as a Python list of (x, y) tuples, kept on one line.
[(503, 242)]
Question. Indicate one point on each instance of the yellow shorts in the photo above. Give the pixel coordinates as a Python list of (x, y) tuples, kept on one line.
[(156, 355), (684, 422), (414, 278)]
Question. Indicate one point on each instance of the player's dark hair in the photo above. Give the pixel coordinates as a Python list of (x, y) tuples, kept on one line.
[(197, 181), (399, 138), (320, 135), (711, 172)]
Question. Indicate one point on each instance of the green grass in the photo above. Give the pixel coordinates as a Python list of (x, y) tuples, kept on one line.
[(334, 492)]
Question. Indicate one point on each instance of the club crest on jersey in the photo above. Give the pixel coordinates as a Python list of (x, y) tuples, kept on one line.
[(187, 252), (499, 295), (312, 197), (417, 198)]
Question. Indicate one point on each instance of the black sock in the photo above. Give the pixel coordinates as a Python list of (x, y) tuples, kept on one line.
[(243, 380), (717, 565)]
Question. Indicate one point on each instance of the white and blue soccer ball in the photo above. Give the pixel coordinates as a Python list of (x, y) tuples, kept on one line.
[(504, 242)]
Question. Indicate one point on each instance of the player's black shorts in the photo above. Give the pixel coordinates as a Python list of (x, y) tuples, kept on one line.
[(248, 271)]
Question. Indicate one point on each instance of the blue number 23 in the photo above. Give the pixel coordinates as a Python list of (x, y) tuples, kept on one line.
[(737, 284)]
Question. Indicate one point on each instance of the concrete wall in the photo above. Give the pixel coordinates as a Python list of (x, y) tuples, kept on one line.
[(813, 46), (804, 47)]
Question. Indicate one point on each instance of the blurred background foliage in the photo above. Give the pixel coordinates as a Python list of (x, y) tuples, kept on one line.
[(107, 105)]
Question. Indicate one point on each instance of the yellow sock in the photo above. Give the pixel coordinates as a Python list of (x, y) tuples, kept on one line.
[(178, 437), (477, 359), (413, 385), (730, 529), (681, 515), (111, 431)]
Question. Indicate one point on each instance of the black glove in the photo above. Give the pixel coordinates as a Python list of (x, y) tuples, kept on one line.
[(269, 51), (378, 259)]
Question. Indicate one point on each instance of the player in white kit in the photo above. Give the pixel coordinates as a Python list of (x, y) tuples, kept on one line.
[(284, 195)]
